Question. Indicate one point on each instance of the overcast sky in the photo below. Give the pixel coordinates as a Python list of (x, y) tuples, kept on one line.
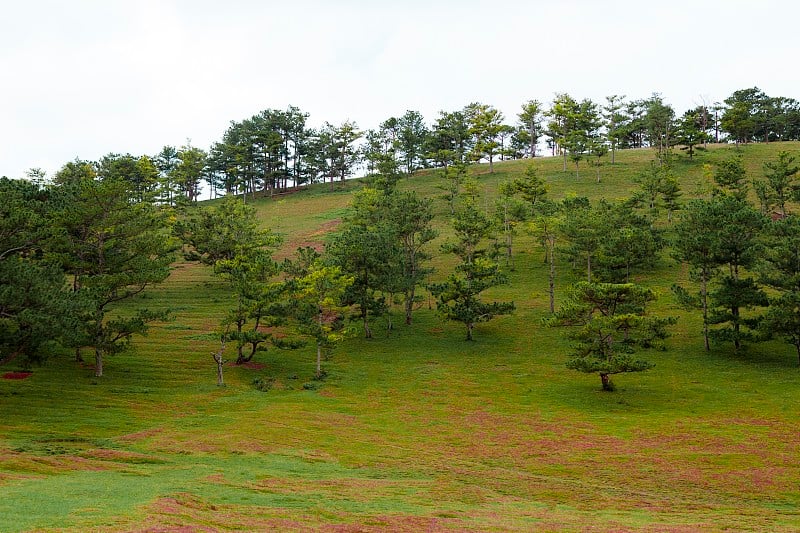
[(84, 78)]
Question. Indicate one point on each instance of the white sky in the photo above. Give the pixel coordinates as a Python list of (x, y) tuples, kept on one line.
[(82, 78)]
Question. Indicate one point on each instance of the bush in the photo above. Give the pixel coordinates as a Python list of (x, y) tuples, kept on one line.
[(263, 384)]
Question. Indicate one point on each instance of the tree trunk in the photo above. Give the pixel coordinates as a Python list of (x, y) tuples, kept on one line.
[(98, 363), (409, 305), (552, 275), (589, 268), (365, 318), (319, 360), (509, 238), (704, 298), (220, 363), (470, 325), (239, 344), (532, 132)]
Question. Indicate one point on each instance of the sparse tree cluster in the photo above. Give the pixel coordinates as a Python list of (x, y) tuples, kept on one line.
[(74, 248)]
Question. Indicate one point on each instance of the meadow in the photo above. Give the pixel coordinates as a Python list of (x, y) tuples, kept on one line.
[(415, 429)]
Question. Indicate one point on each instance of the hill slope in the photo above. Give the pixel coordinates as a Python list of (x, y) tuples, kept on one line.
[(414, 429)]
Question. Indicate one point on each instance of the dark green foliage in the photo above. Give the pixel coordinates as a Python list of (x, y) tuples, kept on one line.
[(731, 177), (780, 270), (690, 132), (411, 138), (737, 248), (530, 127), (630, 242), (730, 299), (264, 384), (781, 181), (223, 232), (610, 239), (112, 247), (450, 140), (659, 120), (410, 217), (36, 311), (381, 244), (695, 244), (611, 325), (369, 253)]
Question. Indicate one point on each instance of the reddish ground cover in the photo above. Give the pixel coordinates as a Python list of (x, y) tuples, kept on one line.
[(17, 375)]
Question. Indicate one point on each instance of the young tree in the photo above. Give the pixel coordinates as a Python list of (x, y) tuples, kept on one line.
[(530, 122), (582, 228), (690, 132), (228, 238), (412, 134), (737, 249), (630, 241), (731, 177), (695, 244), (615, 121), (223, 232), (411, 217), (658, 189), (459, 296), (659, 120), (781, 180), (545, 225), (455, 176), (509, 211), (611, 323), (366, 249), (261, 302), (485, 125), (318, 309), (562, 115), (781, 272)]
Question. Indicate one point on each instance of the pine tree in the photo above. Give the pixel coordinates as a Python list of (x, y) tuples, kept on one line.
[(459, 296), (611, 324)]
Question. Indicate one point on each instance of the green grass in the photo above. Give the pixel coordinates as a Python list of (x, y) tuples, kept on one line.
[(415, 429)]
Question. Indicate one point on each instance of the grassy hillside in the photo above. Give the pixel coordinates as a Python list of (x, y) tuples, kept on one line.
[(415, 429)]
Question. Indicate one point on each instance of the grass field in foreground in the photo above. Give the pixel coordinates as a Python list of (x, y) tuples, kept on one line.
[(415, 429)]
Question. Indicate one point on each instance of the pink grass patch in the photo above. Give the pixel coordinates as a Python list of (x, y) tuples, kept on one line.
[(17, 375)]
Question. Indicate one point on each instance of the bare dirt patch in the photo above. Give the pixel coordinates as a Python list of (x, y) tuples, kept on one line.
[(252, 365)]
